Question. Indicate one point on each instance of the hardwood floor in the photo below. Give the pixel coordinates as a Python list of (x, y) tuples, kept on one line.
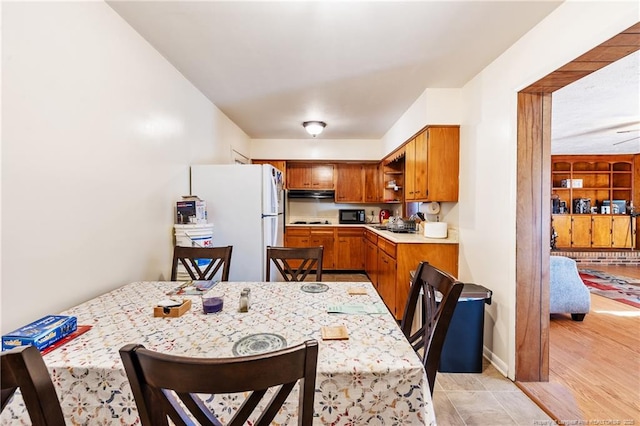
[(594, 365)]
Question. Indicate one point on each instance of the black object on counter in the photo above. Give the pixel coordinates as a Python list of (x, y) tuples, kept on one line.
[(463, 346)]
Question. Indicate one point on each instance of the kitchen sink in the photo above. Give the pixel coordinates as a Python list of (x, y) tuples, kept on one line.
[(380, 227)]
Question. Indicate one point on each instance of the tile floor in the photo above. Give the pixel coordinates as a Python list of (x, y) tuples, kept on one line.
[(486, 398)]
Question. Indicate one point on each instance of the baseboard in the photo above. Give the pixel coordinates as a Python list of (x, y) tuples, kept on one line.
[(500, 365)]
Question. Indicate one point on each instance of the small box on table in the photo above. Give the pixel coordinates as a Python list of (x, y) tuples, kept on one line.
[(172, 312), (41, 333)]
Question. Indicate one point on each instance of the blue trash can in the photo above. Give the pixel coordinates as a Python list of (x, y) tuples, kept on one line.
[(462, 350)]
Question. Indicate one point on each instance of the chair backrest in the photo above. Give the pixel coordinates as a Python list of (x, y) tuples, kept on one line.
[(436, 293), (295, 263), (188, 256), (24, 368), (166, 386)]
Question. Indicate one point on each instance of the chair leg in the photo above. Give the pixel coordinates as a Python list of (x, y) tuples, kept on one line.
[(577, 317)]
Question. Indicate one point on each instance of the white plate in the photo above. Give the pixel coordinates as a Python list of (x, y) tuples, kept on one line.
[(314, 288), (258, 344)]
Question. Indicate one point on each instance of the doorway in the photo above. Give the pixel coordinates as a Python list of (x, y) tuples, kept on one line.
[(533, 175)]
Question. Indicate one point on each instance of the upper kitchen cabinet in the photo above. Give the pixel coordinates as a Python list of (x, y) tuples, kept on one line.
[(349, 183), (432, 164), (278, 164), (310, 176), (416, 168), (393, 177), (372, 178)]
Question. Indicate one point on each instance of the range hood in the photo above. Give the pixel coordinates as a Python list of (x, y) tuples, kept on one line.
[(317, 194)]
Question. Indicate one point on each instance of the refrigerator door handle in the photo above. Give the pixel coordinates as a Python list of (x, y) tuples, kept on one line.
[(270, 190)]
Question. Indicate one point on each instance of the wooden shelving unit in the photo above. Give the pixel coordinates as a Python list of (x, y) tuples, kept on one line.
[(607, 182)]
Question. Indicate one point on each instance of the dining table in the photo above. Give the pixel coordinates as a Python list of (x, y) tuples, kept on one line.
[(368, 374)]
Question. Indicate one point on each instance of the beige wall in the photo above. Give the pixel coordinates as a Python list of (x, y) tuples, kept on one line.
[(98, 132)]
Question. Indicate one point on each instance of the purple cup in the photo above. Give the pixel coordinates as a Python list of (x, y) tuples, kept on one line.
[(212, 305)]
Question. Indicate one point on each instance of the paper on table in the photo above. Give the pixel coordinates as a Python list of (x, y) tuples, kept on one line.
[(193, 288), (376, 308), (357, 291)]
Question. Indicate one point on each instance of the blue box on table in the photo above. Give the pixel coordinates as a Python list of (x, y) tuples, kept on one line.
[(41, 333)]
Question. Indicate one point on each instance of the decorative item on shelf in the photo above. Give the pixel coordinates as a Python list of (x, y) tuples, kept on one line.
[(314, 128), (582, 205)]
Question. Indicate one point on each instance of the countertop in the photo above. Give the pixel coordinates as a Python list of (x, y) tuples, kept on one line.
[(398, 238)]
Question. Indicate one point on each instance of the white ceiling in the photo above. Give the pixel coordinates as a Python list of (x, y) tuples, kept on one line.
[(600, 113), (358, 65)]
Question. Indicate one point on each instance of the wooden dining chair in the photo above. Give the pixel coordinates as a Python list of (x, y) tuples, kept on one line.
[(295, 263), (433, 296), (24, 368), (166, 386), (188, 256)]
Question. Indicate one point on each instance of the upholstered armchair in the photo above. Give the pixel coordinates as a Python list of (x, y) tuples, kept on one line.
[(567, 292)]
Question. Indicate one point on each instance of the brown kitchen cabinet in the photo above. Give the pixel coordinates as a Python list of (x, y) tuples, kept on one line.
[(415, 181), (387, 273), (325, 237), (350, 183), (278, 164), (350, 252), (297, 236), (310, 176), (313, 236), (371, 256), (393, 181), (396, 261), (409, 256), (372, 178), (432, 164)]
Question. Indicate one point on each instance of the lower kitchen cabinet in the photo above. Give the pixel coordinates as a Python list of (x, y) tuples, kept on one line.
[(343, 248), (388, 264), (387, 271), (297, 237), (371, 256), (409, 256), (350, 249), (324, 237)]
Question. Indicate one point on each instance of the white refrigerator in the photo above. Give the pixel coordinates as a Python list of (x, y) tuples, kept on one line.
[(245, 204)]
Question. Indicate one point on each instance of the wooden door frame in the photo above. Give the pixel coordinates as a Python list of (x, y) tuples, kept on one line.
[(533, 217)]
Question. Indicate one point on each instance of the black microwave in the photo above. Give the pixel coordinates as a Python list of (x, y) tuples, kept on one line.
[(351, 216)]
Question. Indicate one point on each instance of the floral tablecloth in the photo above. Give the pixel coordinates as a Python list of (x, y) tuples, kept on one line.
[(372, 378)]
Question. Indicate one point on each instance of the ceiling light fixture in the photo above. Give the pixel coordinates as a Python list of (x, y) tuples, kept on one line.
[(314, 128)]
